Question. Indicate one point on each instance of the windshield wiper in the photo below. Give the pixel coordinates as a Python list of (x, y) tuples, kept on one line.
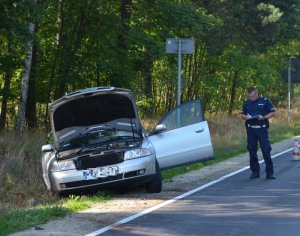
[(91, 147), (104, 127)]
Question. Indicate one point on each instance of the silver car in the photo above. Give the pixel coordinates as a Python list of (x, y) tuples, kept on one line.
[(98, 141)]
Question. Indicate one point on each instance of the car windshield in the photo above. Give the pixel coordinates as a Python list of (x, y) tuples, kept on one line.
[(102, 136)]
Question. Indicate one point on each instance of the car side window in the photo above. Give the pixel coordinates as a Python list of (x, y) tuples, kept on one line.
[(186, 114)]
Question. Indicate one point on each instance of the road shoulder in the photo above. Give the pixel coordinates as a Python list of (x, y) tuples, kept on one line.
[(123, 205)]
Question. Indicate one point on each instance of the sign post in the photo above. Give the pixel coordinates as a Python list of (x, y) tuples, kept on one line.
[(291, 76), (179, 73), (179, 46), (289, 90)]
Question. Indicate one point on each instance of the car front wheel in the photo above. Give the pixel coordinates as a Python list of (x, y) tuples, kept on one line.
[(155, 185)]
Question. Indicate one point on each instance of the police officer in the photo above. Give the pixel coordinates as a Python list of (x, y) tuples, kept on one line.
[(256, 112)]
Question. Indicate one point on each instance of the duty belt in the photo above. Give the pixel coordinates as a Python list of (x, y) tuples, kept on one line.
[(256, 126)]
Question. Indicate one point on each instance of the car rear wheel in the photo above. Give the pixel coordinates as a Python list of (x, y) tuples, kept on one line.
[(155, 185)]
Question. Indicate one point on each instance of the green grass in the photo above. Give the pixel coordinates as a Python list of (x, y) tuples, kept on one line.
[(21, 207), (13, 220), (219, 156), (284, 133)]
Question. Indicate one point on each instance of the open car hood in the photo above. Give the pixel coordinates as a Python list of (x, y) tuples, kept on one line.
[(91, 108)]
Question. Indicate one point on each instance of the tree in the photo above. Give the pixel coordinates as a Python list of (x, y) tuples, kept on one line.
[(20, 124), (82, 44)]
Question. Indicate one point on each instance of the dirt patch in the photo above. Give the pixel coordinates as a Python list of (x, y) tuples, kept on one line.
[(124, 205)]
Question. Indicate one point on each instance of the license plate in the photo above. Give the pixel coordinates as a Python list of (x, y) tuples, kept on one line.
[(103, 172)]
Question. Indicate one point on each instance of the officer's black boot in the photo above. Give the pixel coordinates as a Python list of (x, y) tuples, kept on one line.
[(254, 175), (268, 176)]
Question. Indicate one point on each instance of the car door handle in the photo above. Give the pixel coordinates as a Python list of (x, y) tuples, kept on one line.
[(199, 131)]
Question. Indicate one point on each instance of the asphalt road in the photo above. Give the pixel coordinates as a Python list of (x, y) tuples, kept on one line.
[(235, 206)]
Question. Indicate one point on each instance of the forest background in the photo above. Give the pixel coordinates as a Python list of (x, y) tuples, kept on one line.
[(52, 47)]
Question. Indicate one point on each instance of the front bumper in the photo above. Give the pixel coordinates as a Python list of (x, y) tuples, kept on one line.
[(134, 170)]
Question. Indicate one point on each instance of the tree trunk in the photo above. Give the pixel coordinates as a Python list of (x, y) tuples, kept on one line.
[(119, 76), (147, 84), (233, 92), (6, 89), (55, 60), (147, 78), (200, 67), (61, 51), (7, 80), (70, 45), (20, 124), (30, 112)]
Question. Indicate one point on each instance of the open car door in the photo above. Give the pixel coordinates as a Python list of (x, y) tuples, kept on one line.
[(182, 136)]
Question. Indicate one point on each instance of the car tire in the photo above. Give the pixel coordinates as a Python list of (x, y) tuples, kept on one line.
[(155, 185)]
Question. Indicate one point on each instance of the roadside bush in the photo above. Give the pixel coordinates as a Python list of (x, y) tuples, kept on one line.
[(20, 168)]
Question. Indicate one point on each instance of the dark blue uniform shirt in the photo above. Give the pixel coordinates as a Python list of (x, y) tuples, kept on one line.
[(262, 106)]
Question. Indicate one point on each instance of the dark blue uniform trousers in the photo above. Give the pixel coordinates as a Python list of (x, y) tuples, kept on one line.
[(253, 137)]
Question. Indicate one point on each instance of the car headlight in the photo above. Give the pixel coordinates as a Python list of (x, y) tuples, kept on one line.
[(136, 153), (63, 165)]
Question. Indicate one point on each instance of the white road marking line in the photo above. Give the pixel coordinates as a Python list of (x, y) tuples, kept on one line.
[(165, 203)]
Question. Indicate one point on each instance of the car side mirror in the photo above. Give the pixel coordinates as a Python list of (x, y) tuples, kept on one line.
[(159, 128), (47, 148)]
